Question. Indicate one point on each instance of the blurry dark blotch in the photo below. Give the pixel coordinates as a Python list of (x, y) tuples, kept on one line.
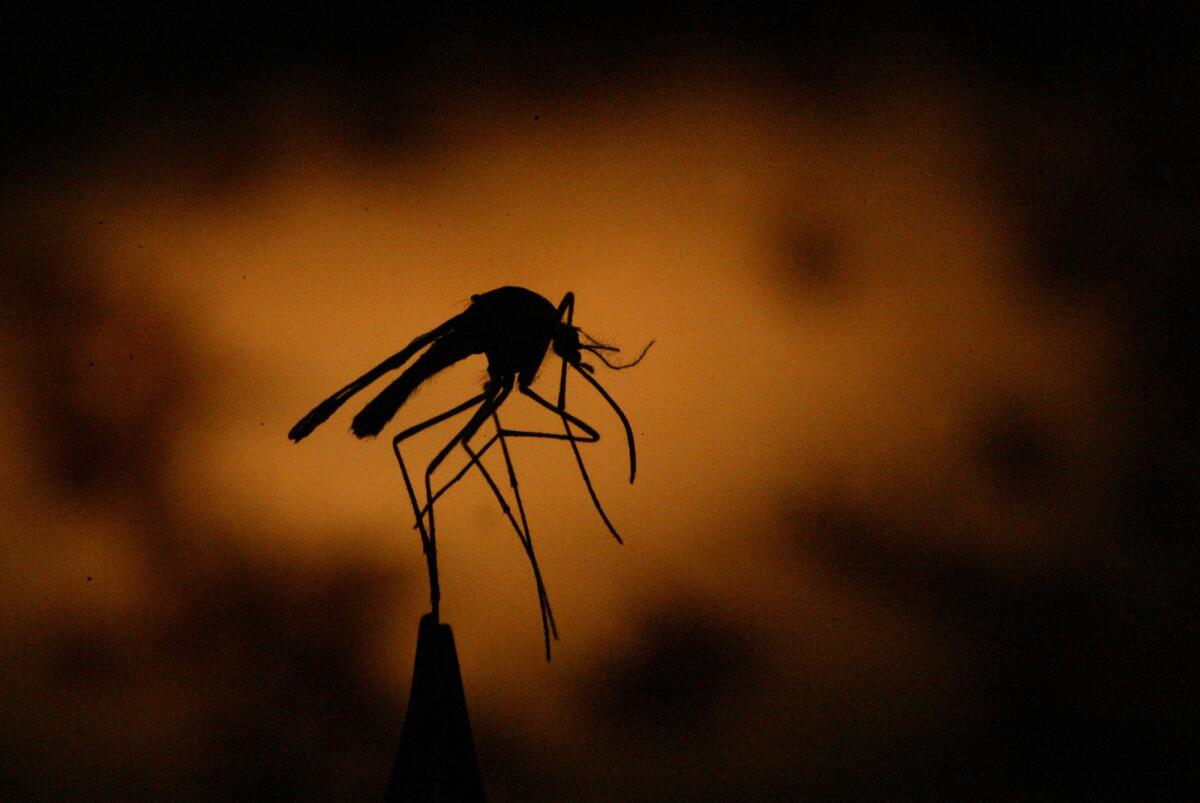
[(811, 257), (1109, 219), (235, 675), (276, 651), (1084, 234), (1072, 671), (1100, 209), (78, 655), (106, 378), (1016, 451), (1108, 210), (514, 766), (320, 611), (896, 562), (681, 668), (236, 678), (37, 278)]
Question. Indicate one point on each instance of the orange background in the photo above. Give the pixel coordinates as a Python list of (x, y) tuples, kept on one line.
[(877, 544)]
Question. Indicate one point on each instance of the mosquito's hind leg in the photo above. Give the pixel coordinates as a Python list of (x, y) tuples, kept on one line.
[(428, 539), (477, 455), (493, 395), (488, 407), (548, 625)]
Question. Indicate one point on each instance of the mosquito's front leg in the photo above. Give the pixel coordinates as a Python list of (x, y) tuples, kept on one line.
[(593, 436)]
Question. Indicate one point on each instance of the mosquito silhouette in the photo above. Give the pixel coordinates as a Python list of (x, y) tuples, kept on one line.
[(514, 328)]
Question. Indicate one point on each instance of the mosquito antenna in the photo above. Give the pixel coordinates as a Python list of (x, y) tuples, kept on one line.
[(620, 414), (596, 342), (597, 349), (597, 346)]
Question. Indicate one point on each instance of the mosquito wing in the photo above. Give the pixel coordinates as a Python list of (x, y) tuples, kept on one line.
[(322, 411), (441, 355)]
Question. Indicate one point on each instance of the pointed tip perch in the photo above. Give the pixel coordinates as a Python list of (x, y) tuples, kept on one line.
[(436, 759)]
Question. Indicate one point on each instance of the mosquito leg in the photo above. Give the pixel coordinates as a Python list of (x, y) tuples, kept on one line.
[(492, 397), (462, 472), (549, 627), (428, 544), (488, 402), (510, 433), (567, 309), (548, 624), (616, 408), (489, 407), (593, 436), (428, 547)]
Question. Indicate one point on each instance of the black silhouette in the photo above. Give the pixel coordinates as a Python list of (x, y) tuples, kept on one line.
[(436, 759), (514, 328)]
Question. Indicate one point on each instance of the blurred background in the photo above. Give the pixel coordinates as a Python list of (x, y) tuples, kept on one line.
[(917, 458)]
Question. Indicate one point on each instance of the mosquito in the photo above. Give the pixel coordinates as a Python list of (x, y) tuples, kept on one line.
[(514, 328)]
